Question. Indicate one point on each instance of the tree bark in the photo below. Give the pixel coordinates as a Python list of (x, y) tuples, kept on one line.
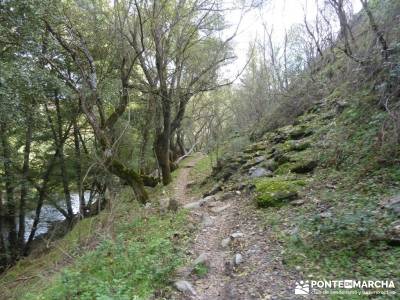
[(64, 175), (24, 182), (375, 29), (3, 250), (42, 191), (93, 109), (145, 135), (131, 177), (180, 142), (161, 147), (78, 168), (10, 214), (42, 194)]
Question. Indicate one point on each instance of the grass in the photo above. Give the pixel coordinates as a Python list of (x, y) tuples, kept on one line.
[(135, 253), (132, 265), (126, 252), (200, 171), (201, 270), (36, 271)]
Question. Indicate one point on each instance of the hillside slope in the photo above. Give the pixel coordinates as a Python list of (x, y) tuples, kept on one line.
[(325, 190)]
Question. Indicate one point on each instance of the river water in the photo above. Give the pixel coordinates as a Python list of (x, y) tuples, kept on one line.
[(49, 215)]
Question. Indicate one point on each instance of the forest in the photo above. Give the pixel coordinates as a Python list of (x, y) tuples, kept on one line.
[(199, 149)]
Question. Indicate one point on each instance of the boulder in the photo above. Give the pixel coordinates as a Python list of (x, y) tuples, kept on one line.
[(326, 214), (190, 184), (253, 162), (206, 220), (259, 172), (297, 202), (193, 205), (225, 242), (299, 132), (200, 203), (237, 235), (165, 204), (185, 287), (393, 234), (227, 195), (304, 167), (270, 164), (255, 147), (298, 145), (276, 191), (280, 157), (220, 208), (341, 106), (237, 259), (392, 204), (201, 259), (216, 188), (293, 132), (299, 167)]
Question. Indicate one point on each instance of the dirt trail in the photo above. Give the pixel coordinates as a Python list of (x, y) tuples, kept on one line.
[(181, 185), (231, 219)]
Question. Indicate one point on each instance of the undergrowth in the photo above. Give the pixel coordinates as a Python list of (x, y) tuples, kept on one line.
[(132, 264)]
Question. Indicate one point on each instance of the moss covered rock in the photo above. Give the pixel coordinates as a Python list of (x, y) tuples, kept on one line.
[(270, 164), (255, 147), (291, 145), (299, 167), (298, 145), (255, 161), (276, 191), (280, 157), (300, 131)]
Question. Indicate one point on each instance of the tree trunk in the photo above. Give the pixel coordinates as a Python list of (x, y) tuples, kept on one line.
[(61, 158), (375, 28), (161, 147), (131, 177), (42, 194), (10, 204), (146, 133), (3, 250), (24, 183), (180, 143), (42, 190), (78, 168)]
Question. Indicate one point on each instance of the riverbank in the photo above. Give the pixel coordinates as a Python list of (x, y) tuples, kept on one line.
[(127, 249)]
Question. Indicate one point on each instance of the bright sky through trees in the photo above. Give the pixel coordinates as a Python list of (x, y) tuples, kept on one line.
[(279, 14)]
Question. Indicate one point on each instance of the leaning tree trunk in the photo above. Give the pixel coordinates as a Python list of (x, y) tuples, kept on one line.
[(379, 34), (131, 177), (42, 191)]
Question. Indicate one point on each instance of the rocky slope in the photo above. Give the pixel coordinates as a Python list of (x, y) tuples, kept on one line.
[(322, 212)]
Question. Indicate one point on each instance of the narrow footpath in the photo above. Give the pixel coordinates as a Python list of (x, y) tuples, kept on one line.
[(242, 255)]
